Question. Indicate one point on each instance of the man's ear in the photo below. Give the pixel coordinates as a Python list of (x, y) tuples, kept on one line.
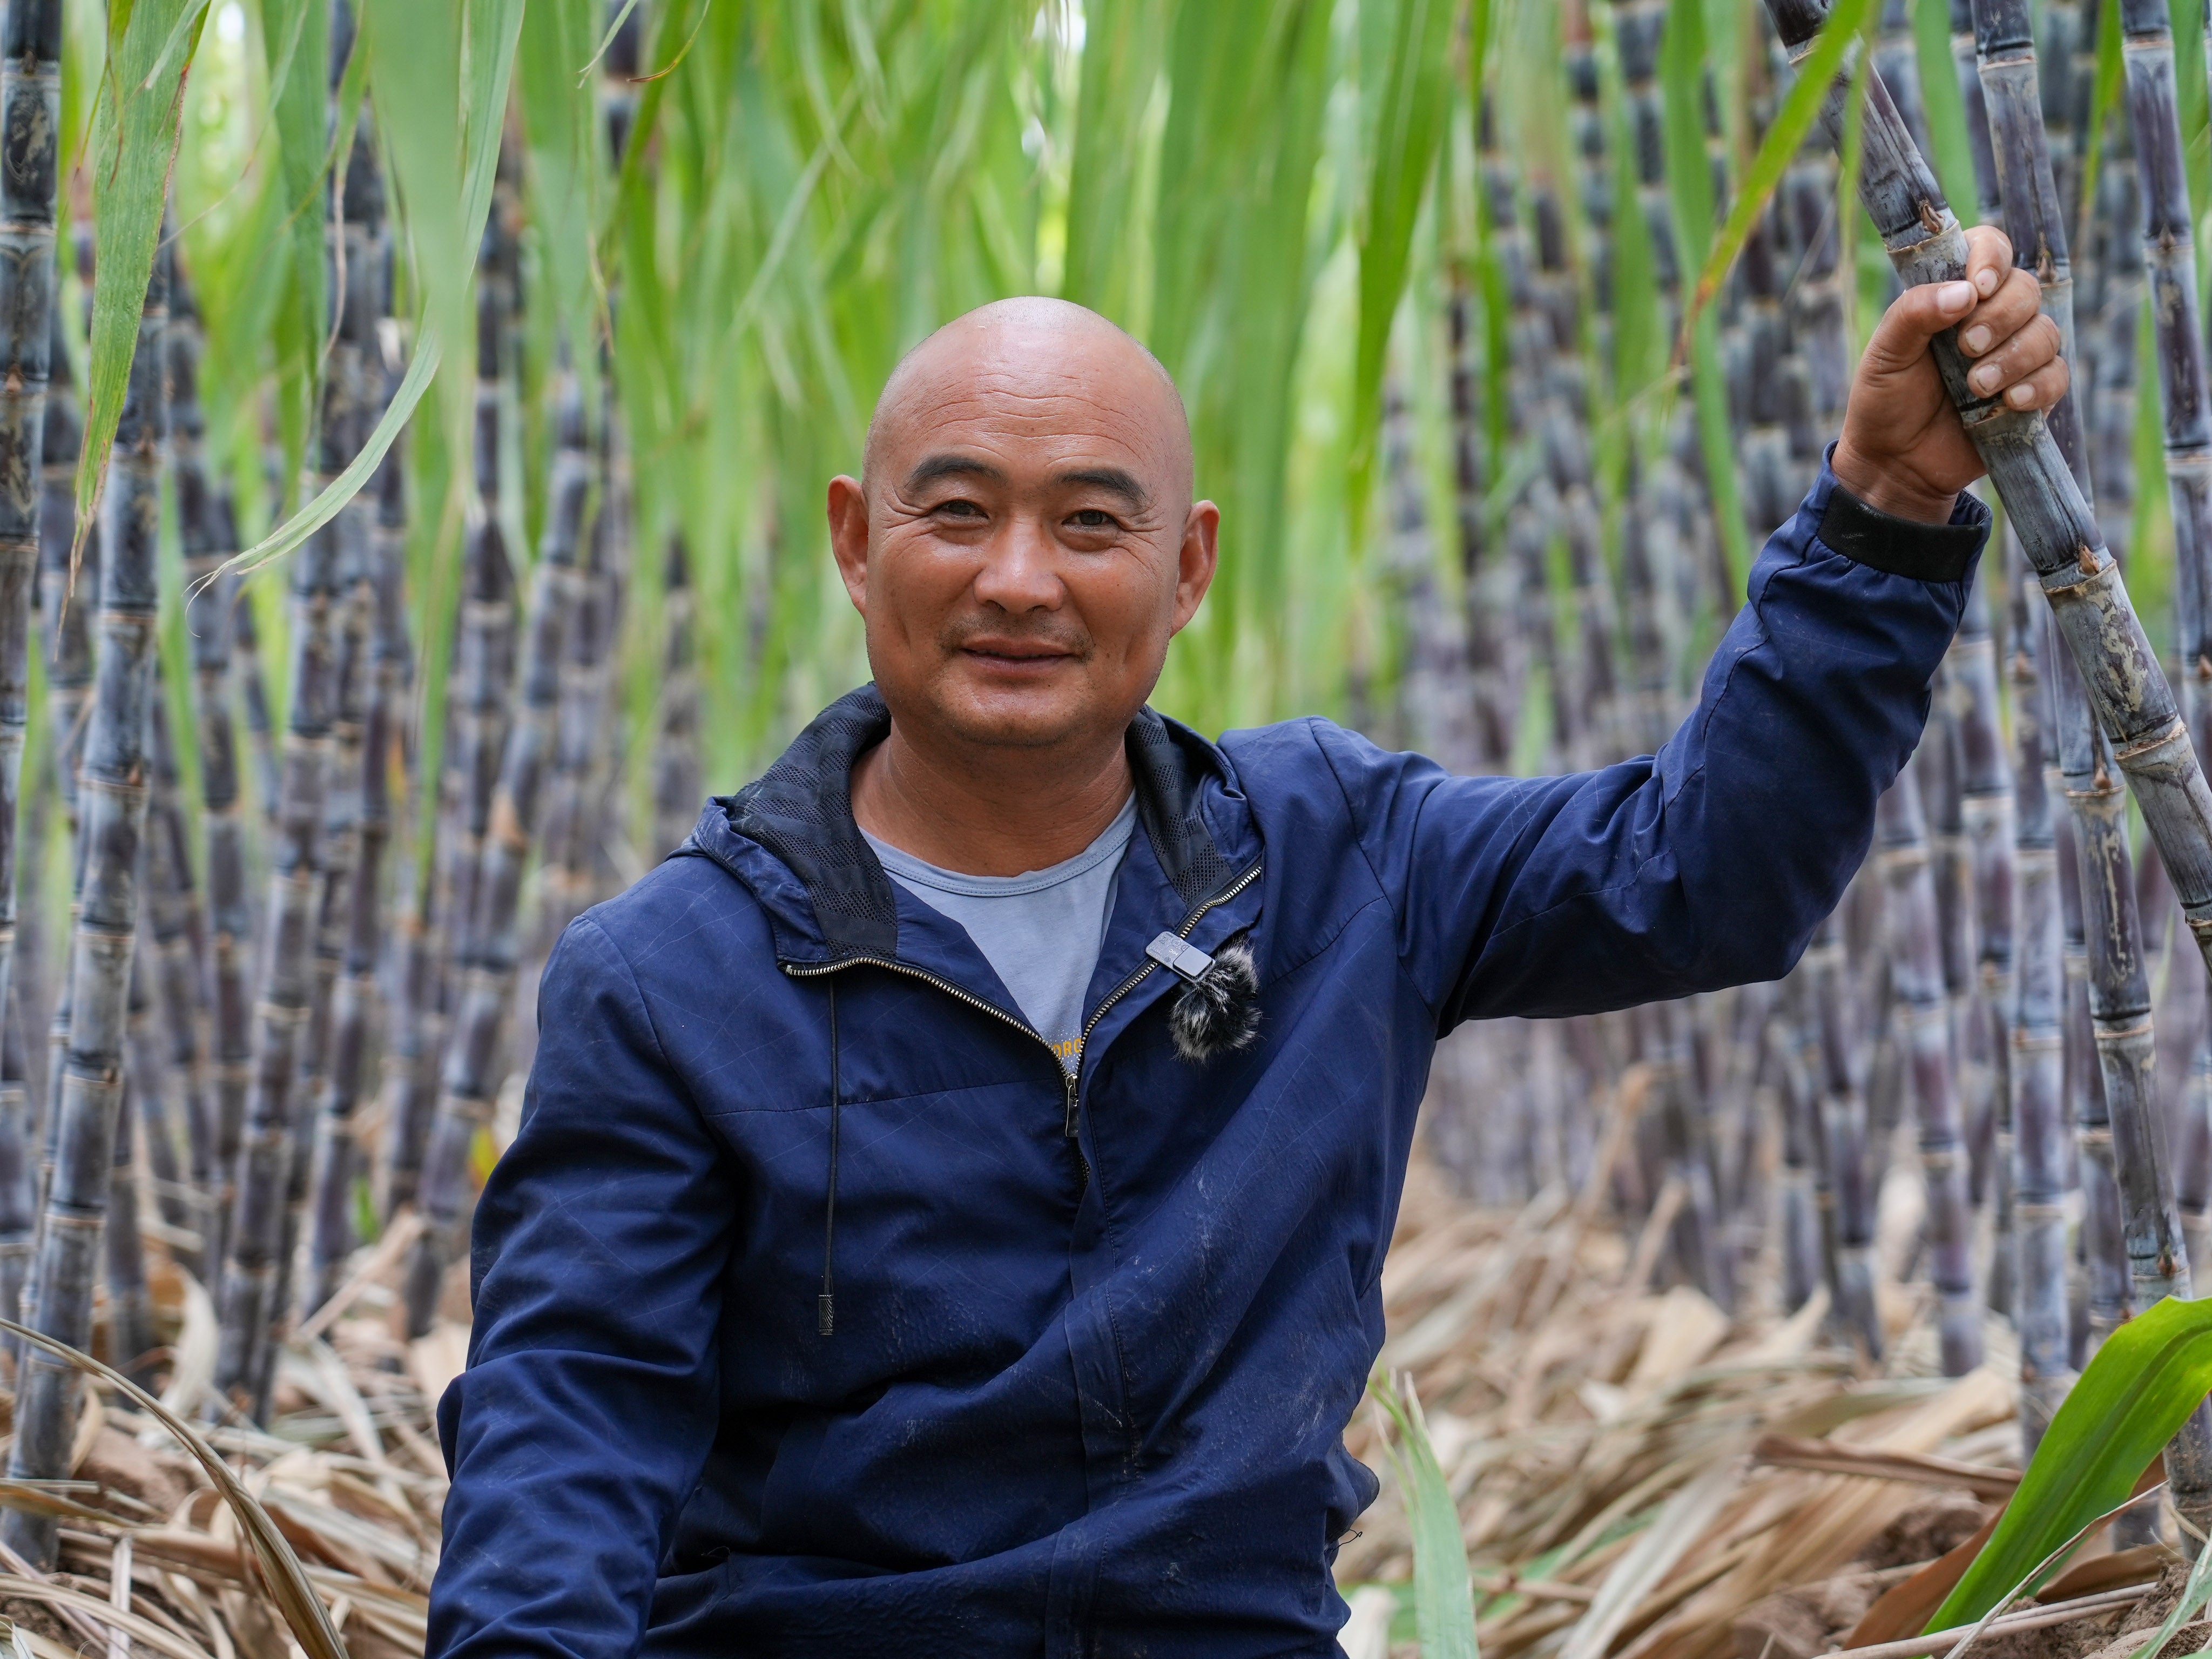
[(848, 536), (1195, 560)]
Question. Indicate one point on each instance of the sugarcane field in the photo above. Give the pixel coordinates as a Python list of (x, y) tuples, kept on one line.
[(1105, 828)]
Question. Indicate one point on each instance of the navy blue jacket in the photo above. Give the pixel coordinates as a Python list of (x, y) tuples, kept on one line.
[(1087, 1391)]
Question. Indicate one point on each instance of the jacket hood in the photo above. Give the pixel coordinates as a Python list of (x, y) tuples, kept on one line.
[(790, 836)]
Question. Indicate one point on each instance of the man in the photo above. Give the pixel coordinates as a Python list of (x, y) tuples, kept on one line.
[(949, 1207)]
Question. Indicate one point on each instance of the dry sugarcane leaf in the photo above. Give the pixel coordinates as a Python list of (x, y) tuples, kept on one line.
[(36, 1498), (1907, 1608), (192, 1366), (1684, 1328), (1790, 1451), (2140, 1565), (435, 1360), (136, 1626), (89, 1422), (1681, 1522), (1812, 1534), (287, 1583)]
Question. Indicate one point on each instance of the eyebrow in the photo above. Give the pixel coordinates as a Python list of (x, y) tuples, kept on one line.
[(933, 467), (951, 465), (1111, 479)]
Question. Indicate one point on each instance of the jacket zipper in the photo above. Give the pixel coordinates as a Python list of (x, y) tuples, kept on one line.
[(1070, 1081)]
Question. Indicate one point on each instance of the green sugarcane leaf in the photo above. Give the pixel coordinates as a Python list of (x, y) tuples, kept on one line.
[(421, 368), (1953, 155), (1443, 1594), (2190, 99), (1405, 74), (2104, 97), (1682, 75), (181, 35), (1639, 343), (1122, 44), (1793, 123), (567, 167), (439, 78), (631, 201), (135, 130), (296, 35), (614, 28), (2143, 1382)]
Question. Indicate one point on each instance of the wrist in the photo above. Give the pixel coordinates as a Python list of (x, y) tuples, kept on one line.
[(1891, 490)]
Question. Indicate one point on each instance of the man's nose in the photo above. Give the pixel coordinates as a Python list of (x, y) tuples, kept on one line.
[(1021, 570)]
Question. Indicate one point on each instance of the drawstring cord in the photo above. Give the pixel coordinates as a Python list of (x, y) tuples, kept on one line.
[(825, 1306)]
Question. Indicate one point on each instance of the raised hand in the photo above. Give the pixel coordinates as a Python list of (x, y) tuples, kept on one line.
[(1903, 449)]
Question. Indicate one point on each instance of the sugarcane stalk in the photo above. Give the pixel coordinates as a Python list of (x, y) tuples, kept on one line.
[(1986, 796), (113, 793), (572, 822), (1966, 62), (1588, 117), (338, 853), (30, 137), (2057, 531), (1841, 1192), (208, 532), (253, 691), (677, 772), (174, 906), (438, 941), (1494, 587), (130, 1313), (2042, 499), (2109, 999), (1802, 1267), (1897, 60), (2119, 294), (280, 1019), (2122, 1131), (1917, 966), (337, 1153), (1939, 762), (474, 1067), (19, 1196), (165, 1092), (65, 597)]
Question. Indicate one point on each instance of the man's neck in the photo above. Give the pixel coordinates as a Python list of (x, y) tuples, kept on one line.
[(1013, 811)]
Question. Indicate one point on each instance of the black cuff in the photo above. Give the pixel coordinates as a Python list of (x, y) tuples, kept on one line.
[(1906, 547)]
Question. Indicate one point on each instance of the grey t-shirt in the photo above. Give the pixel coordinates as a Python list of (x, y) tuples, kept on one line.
[(1041, 931)]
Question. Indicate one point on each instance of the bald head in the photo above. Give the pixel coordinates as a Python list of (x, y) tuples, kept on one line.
[(1043, 358)]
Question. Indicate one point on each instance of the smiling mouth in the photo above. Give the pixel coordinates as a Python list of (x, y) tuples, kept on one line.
[(1015, 658)]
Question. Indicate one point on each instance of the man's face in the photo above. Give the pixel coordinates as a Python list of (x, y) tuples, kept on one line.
[(1024, 547)]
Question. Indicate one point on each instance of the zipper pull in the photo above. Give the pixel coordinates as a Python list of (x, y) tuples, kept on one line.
[(1067, 1082)]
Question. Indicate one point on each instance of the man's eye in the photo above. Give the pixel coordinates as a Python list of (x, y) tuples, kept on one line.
[(960, 510), (1092, 518)]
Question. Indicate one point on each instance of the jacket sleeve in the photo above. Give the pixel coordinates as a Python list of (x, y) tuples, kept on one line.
[(590, 1399), (1711, 863)]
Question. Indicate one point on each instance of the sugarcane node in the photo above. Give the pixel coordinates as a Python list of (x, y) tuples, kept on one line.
[(2177, 731)]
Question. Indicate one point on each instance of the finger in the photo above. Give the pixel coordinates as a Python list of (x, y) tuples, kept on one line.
[(2015, 359), (2041, 389), (2002, 316), (1915, 318), (1989, 259)]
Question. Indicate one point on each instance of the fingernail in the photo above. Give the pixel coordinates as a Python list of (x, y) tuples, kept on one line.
[(2020, 396), (1987, 281), (1976, 340), (1954, 296), (1985, 379)]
